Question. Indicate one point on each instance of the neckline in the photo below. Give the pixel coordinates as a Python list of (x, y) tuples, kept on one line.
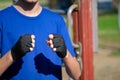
[(32, 17)]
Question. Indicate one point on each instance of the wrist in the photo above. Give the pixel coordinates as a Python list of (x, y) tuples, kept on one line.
[(67, 55), (10, 57)]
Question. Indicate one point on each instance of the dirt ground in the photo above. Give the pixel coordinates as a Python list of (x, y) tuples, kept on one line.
[(106, 67)]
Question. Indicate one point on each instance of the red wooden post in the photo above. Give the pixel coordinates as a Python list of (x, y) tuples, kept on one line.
[(85, 37), (84, 34), (75, 25)]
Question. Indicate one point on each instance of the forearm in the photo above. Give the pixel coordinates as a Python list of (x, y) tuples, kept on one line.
[(5, 62), (56, 42), (72, 66)]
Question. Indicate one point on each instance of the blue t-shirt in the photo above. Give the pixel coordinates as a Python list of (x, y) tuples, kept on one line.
[(42, 63)]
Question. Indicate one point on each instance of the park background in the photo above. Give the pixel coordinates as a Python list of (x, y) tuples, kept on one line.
[(106, 59)]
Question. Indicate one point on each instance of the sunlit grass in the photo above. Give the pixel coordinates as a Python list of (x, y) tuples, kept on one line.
[(108, 30), (5, 3)]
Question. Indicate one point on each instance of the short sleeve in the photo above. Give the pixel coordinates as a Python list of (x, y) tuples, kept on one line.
[(0, 34), (62, 30)]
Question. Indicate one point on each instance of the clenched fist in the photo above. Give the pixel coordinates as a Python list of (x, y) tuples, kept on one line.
[(25, 44), (56, 42)]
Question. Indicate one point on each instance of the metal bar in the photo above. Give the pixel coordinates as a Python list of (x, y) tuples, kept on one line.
[(95, 25), (70, 22), (72, 16)]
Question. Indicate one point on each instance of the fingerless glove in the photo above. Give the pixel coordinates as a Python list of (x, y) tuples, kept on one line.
[(59, 44), (21, 47)]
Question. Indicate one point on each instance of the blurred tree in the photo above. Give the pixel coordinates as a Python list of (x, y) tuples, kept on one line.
[(115, 5), (60, 4), (14, 1)]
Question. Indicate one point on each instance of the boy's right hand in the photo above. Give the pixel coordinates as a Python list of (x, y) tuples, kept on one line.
[(25, 44)]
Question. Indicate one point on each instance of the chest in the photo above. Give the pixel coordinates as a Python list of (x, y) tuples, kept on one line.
[(17, 27), (14, 28)]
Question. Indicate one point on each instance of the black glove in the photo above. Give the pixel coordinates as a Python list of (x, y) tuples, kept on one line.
[(59, 44), (21, 47)]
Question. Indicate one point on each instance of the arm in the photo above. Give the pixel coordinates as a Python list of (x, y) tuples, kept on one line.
[(5, 62), (56, 42), (72, 66), (24, 44)]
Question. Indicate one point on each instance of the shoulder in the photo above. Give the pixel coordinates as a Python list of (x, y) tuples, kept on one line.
[(5, 10), (6, 13)]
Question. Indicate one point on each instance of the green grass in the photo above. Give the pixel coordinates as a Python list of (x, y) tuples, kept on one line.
[(108, 21), (5, 0), (108, 30), (116, 53), (108, 27), (5, 3)]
